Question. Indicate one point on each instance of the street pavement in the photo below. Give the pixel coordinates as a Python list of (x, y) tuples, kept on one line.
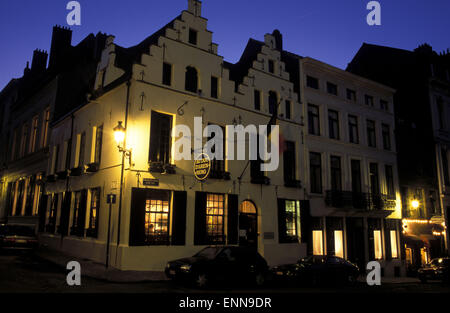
[(27, 273)]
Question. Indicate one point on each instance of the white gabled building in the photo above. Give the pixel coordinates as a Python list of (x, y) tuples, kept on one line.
[(162, 212)]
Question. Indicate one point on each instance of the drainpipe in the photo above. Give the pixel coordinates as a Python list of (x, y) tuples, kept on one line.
[(122, 170)]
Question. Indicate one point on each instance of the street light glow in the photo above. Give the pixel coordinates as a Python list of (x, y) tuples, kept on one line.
[(415, 204), (119, 133)]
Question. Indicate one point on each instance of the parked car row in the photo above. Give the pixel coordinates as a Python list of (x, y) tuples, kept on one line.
[(17, 237), (245, 265)]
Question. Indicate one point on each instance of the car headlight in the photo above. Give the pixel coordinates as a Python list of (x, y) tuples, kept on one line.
[(186, 267)]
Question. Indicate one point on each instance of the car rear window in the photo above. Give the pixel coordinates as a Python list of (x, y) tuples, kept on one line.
[(19, 230)]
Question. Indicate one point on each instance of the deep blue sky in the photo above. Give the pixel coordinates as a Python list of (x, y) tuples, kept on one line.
[(328, 30)]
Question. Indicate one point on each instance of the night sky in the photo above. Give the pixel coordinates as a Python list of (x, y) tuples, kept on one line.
[(329, 30)]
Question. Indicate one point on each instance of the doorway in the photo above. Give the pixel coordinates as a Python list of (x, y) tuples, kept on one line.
[(248, 225)]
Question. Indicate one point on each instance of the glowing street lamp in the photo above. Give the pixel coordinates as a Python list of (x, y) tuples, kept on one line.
[(119, 134), (415, 204)]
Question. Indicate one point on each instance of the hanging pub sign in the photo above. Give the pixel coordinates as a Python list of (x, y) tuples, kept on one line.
[(202, 167)]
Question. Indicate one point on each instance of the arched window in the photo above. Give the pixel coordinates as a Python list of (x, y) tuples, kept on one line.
[(191, 82), (247, 207), (273, 102)]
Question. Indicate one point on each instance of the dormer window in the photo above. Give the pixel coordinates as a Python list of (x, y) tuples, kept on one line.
[(192, 36), (191, 83)]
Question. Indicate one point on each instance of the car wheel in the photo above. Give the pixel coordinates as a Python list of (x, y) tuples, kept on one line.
[(201, 280), (260, 279)]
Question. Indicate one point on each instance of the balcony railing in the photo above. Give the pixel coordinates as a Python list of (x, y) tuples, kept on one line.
[(359, 200)]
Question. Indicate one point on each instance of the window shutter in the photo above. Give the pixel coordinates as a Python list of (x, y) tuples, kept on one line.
[(233, 216), (305, 221), (137, 217), (200, 218), (65, 213), (282, 221), (179, 218)]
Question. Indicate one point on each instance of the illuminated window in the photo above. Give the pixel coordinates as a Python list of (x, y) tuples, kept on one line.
[(338, 243), (214, 217), (317, 242), (377, 244), (394, 250), (292, 209), (157, 220)]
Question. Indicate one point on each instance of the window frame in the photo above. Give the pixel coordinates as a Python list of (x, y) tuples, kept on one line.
[(315, 170), (333, 124), (313, 117)]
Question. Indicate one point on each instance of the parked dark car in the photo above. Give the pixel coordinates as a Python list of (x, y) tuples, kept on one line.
[(316, 270), (220, 264), (437, 269), (17, 237)]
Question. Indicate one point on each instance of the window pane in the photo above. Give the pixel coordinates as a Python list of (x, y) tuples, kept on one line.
[(394, 251), (377, 244), (338, 243), (317, 242)]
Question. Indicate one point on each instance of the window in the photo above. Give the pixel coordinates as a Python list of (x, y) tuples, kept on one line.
[(315, 167), (192, 36), (351, 95), (312, 82), (317, 242), (338, 243), (394, 249), (332, 88), (79, 214), (45, 127), (368, 100), (356, 176), (313, 120), (191, 79), (378, 248), (167, 74), (271, 66), (389, 180), (292, 214), (386, 133), (371, 134), (336, 173), (93, 213), (384, 105), (374, 179), (255, 167), (160, 138), (288, 109), (214, 87), (257, 99), (333, 124), (215, 217), (157, 220), (34, 134), (445, 167), (273, 103), (82, 149), (353, 134), (98, 144), (24, 141), (218, 163), (289, 162)]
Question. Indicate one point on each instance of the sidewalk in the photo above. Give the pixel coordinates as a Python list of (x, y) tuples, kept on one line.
[(98, 271), (394, 280)]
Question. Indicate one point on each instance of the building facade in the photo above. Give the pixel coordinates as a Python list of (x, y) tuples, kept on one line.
[(351, 181), (421, 79)]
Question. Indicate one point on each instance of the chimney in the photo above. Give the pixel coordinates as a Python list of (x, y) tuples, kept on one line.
[(39, 63), (278, 39), (195, 7), (61, 43)]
